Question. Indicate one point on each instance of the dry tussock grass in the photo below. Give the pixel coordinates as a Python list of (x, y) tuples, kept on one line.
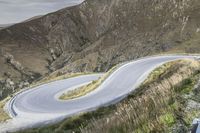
[(81, 91)]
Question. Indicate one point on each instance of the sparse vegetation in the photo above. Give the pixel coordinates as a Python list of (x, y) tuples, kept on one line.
[(158, 72), (3, 115), (189, 46), (83, 90)]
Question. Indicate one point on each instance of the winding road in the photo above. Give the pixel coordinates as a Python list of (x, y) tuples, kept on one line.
[(40, 105)]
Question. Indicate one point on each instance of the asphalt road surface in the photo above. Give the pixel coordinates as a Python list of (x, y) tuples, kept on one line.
[(41, 104)]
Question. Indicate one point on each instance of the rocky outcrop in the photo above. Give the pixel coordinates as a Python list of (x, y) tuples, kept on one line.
[(8, 87), (9, 83), (15, 64), (10, 60)]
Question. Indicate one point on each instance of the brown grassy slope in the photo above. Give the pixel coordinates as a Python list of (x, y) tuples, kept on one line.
[(96, 35), (3, 115)]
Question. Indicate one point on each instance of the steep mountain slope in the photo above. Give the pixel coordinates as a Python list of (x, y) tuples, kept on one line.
[(4, 26), (96, 35)]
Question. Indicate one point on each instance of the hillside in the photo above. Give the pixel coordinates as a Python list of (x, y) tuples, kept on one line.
[(96, 35), (4, 26)]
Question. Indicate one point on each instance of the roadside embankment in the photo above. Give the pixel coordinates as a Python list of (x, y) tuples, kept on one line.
[(166, 102)]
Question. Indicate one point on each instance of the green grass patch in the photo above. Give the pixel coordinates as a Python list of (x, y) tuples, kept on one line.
[(187, 86), (168, 119)]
